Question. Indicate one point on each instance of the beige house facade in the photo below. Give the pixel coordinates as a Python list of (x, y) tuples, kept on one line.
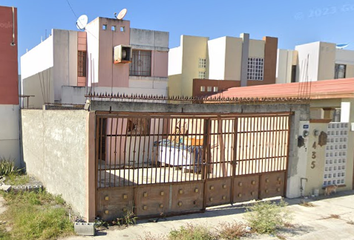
[(240, 61)]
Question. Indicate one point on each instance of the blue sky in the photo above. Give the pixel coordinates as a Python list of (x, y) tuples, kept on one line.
[(293, 22)]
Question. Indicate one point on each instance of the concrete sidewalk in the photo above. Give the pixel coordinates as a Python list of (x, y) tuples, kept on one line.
[(317, 222)]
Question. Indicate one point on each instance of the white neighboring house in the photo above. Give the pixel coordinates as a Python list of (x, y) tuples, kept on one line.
[(69, 64), (314, 62)]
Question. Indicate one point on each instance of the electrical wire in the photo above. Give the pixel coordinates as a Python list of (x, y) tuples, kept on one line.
[(304, 87), (71, 8)]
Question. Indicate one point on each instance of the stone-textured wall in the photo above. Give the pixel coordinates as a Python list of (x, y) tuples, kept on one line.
[(55, 152)]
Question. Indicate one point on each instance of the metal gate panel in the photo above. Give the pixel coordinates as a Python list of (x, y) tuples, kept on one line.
[(217, 192), (186, 197), (246, 188), (262, 144), (114, 202), (272, 184), (152, 200), (160, 164)]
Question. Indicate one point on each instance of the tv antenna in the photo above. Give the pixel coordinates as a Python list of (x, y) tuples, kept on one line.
[(82, 22), (121, 14)]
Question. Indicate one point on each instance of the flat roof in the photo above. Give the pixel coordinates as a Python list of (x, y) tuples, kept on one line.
[(324, 89)]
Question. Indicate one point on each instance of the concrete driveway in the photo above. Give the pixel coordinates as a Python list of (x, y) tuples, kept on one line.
[(329, 218)]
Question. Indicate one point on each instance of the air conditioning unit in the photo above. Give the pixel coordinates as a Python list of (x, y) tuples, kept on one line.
[(122, 54)]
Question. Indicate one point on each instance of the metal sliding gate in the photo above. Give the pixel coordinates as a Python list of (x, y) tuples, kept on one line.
[(164, 164)]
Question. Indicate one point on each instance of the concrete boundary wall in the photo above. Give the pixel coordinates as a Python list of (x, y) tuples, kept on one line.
[(55, 151)]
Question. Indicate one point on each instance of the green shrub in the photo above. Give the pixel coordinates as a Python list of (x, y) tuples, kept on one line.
[(231, 231), (266, 217), (191, 232), (7, 166), (226, 231), (128, 219)]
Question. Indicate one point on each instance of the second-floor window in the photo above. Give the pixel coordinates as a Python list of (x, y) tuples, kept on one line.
[(339, 71), (81, 64), (141, 63)]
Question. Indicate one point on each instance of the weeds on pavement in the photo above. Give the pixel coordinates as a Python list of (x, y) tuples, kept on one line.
[(230, 231), (192, 232), (267, 217), (351, 222), (226, 231), (150, 236), (334, 216), (306, 204)]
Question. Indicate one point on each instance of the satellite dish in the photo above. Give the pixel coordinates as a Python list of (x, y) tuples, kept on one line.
[(121, 14), (82, 22), (342, 46)]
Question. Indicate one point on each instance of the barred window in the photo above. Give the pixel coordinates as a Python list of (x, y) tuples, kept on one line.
[(255, 69), (141, 63), (81, 60)]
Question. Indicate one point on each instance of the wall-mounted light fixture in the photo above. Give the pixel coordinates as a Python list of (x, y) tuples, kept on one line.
[(305, 133)]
